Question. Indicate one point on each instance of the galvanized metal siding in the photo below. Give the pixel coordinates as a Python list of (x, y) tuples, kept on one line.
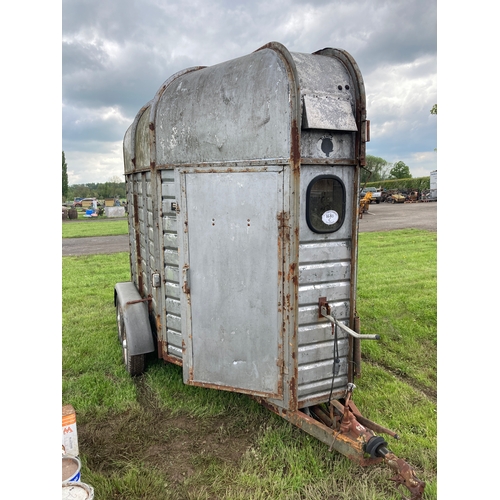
[(233, 220), (132, 186), (142, 152), (128, 151), (141, 232), (171, 265), (237, 110), (324, 271)]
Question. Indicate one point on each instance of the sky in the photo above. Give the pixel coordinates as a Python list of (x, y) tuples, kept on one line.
[(116, 54)]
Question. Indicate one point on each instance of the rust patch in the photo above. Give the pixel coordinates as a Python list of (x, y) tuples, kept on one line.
[(172, 359), (291, 275)]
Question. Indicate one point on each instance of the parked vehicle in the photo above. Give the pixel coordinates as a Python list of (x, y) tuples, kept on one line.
[(256, 298)]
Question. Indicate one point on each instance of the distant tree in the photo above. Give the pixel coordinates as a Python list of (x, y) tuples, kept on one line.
[(400, 171), (64, 177), (377, 169)]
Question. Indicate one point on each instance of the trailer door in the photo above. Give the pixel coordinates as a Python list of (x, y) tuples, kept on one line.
[(231, 272)]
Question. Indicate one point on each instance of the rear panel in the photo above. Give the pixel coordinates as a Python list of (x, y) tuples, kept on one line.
[(330, 149), (324, 271)]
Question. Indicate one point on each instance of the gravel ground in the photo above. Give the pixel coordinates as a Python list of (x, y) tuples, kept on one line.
[(388, 216)]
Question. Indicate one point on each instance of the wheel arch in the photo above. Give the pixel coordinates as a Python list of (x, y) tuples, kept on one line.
[(134, 311)]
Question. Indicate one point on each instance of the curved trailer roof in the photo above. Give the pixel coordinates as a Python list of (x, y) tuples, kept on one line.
[(250, 108)]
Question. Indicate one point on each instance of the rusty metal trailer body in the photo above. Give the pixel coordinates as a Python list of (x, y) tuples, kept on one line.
[(242, 191)]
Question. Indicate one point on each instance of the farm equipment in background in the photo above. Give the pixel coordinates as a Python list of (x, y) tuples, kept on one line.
[(364, 204), (413, 197), (396, 198)]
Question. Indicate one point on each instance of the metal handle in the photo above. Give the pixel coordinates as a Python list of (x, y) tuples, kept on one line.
[(352, 333)]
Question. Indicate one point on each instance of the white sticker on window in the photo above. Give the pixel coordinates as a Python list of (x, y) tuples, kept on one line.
[(330, 217)]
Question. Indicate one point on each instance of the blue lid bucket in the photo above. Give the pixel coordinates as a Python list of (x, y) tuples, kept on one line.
[(70, 469)]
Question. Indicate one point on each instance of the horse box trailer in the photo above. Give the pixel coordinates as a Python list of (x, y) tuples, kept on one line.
[(242, 191)]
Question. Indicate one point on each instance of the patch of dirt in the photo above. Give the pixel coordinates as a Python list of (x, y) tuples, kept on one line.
[(176, 445)]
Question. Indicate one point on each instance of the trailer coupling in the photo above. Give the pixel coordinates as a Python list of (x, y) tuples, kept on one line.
[(345, 430), (353, 435)]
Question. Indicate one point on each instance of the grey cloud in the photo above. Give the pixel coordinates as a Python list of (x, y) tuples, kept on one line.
[(116, 54), (80, 56)]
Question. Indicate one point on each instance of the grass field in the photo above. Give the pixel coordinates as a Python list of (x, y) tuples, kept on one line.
[(155, 438), (92, 227)]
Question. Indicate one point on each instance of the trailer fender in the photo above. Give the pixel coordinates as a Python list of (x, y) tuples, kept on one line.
[(134, 311)]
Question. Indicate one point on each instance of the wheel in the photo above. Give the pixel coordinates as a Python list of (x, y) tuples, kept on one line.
[(134, 364), (377, 202), (393, 200)]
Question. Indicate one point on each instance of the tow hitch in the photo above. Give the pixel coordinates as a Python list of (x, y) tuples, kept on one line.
[(353, 432)]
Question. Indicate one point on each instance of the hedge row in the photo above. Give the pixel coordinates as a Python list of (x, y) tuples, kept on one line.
[(419, 184)]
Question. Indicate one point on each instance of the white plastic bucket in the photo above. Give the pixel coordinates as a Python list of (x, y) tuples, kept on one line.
[(77, 491), (70, 469)]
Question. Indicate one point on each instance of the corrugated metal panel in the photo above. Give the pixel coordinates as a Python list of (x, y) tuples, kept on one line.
[(336, 291), (325, 270), (321, 251), (171, 266)]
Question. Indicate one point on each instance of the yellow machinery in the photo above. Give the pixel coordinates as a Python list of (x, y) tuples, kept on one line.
[(364, 204)]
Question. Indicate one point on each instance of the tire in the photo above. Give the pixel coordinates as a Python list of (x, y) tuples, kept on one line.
[(393, 200), (378, 201), (134, 364)]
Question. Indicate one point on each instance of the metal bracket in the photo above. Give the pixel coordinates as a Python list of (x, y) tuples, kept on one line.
[(156, 281)]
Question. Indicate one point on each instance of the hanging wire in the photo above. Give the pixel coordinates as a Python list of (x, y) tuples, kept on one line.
[(336, 358)]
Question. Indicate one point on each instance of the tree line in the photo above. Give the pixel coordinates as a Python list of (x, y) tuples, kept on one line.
[(378, 169), (114, 188), (100, 190)]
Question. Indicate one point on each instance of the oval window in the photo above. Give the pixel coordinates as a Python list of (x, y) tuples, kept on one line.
[(325, 204)]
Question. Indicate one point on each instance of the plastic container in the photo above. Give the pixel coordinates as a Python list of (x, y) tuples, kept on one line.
[(77, 491), (70, 469)]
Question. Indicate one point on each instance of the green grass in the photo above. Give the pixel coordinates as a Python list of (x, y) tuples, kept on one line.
[(222, 445), (94, 227), (397, 298)]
